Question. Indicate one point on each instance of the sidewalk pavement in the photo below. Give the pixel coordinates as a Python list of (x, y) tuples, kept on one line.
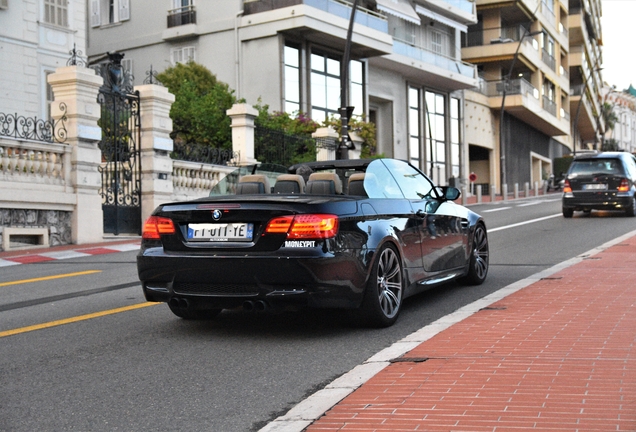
[(36, 255), (554, 352)]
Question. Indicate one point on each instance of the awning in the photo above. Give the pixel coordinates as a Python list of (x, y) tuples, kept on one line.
[(399, 8), (439, 18)]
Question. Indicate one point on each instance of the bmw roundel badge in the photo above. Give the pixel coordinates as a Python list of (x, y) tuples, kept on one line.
[(216, 214)]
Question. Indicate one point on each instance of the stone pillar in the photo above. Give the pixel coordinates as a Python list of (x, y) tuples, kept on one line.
[(326, 134), (155, 147), (77, 87), (243, 116)]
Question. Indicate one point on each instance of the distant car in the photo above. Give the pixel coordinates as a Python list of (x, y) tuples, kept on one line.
[(358, 234), (600, 181)]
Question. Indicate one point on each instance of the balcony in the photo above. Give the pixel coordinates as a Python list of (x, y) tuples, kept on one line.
[(432, 58), (412, 57), (182, 16), (182, 23), (320, 21), (523, 101), (339, 8)]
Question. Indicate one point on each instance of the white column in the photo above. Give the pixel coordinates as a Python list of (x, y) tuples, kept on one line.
[(155, 147), (77, 87), (243, 116)]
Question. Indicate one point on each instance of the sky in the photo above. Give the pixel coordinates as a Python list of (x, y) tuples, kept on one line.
[(619, 56)]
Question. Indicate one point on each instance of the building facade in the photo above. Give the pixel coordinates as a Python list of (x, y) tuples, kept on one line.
[(623, 105), (406, 74), (36, 37), (539, 94)]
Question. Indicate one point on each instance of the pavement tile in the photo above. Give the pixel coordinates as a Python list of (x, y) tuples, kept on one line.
[(557, 355)]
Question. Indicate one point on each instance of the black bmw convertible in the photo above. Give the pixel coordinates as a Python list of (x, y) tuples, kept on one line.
[(345, 234)]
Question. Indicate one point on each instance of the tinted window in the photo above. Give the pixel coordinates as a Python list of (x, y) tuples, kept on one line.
[(597, 166)]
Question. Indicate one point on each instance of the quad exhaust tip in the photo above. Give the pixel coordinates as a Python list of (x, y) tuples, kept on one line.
[(180, 303), (254, 306)]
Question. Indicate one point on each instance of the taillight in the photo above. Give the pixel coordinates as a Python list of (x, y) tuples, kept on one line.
[(155, 226), (306, 226), (624, 186), (566, 186)]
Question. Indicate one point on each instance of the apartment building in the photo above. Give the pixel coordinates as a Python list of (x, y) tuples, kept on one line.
[(586, 81), (406, 72), (539, 94), (36, 37), (623, 105)]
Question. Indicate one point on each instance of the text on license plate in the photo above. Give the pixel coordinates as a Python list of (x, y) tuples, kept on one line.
[(221, 231), (595, 186)]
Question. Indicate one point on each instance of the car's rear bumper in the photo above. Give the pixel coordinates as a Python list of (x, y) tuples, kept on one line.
[(225, 282), (597, 200)]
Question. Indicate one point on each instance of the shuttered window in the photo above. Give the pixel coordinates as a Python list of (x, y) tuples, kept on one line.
[(56, 12)]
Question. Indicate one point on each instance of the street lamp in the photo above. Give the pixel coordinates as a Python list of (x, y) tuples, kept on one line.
[(578, 107), (502, 144), (345, 110)]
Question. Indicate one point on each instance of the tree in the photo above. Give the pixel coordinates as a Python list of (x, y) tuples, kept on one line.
[(199, 111)]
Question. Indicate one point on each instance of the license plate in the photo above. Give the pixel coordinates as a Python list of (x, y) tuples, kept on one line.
[(221, 232), (595, 186)]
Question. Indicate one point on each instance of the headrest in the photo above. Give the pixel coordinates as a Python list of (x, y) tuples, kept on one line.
[(324, 183), (289, 184), (253, 184), (356, 185)]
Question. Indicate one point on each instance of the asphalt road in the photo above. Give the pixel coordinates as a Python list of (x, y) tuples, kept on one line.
[(86, 353)]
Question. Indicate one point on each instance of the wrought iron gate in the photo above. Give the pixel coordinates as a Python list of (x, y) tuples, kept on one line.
[(121, 165)]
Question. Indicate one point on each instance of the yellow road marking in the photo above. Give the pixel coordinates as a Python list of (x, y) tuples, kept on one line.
[(45, 278), (74, 319)]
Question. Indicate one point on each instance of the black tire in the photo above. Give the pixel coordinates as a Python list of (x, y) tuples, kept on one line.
[(479, 258), (630, 210), (568, 212), (197, 314), (383, 296)]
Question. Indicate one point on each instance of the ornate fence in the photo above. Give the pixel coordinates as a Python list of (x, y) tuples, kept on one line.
[(273, 146), (34, 129), (202, 153)]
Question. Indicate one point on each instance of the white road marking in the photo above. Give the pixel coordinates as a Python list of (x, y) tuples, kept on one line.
[(524, 223), (496, 210)]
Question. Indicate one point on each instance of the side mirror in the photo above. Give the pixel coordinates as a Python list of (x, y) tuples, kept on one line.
[(451, 193)]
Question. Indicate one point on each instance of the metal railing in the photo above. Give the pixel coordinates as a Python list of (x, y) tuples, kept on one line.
[(549, 106), (431, 57), (31, 128), (202, 153), (182, 16), (341, 8)]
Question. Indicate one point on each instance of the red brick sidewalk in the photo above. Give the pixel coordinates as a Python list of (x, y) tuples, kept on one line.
[(558, 355)]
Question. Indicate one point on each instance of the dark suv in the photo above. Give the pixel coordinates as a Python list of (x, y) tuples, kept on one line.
[(600, 181)]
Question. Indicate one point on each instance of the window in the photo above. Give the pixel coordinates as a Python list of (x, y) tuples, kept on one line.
[(182, 13), (183, 55), (435, 116), (455, 137), (414, 127), (325, 87), (291, 58), (50, 97), (111, 11), (356, 89), (437, 42), (56, 12), (127, 66)]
